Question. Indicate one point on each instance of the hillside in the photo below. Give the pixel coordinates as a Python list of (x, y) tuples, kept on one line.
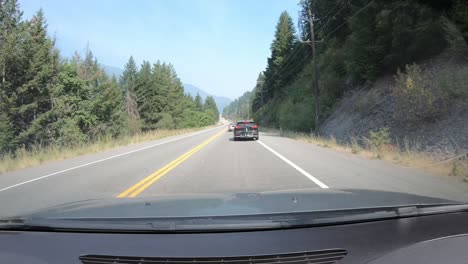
[(221, 101), (397, 67), (112, 71), (48, 101), (442, 135), (240, 107)]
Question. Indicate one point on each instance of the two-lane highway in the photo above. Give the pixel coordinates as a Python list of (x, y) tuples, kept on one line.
[(209, 161)]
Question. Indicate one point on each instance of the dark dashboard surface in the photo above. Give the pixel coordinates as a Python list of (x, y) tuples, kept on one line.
[(425, 239)]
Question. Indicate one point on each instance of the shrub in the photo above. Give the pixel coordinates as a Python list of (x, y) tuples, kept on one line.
[(295, 116), (166, 122), (377, 139), (414, 100), (460, 168), (452, 83), (355, 147)]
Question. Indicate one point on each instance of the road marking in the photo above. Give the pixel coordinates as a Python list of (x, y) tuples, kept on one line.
[(305, 173), (140, 186), (108, 158)]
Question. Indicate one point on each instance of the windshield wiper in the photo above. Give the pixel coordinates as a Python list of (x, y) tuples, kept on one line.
[(226, 223), (391, 213), (138, 225)]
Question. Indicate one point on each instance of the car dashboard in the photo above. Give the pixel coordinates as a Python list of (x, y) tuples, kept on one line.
[(430, 239)]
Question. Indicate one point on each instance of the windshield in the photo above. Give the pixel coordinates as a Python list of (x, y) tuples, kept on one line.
[(206, 108)]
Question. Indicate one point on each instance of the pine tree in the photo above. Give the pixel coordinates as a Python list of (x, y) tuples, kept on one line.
[(108, 106), (33, 96), (143, 83), (198, 102), (281, 47), (211, 109), (258, 99), (128, 83), (12, 33)]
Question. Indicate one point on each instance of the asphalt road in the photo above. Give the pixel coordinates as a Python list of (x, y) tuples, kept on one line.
[(209, 161)]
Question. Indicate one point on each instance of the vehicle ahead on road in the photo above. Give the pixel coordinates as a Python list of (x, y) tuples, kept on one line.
[(321, 226), (231, 127), (246, 129)]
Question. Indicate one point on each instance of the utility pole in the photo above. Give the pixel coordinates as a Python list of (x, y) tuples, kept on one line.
[(314, 58)]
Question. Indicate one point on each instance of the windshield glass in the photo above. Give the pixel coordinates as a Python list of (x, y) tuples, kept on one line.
[(154, 109)]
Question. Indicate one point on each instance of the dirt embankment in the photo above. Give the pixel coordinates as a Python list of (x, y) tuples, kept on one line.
[(374, 107)]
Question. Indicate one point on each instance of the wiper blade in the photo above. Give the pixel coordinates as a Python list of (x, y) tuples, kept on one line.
[(136, 225), (226, 223), (391, 213), (430, 209), (20, 224)]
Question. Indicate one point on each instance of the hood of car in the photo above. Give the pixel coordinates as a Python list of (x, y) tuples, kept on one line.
[(271, 202)]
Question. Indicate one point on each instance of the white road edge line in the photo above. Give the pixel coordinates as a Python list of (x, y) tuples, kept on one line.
[(305, 173), (108, 158)]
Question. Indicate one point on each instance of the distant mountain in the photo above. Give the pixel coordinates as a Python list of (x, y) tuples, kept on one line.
[(111, 70), (221, 101)]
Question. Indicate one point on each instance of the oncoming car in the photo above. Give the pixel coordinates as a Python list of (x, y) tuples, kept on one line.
[(246, 129)]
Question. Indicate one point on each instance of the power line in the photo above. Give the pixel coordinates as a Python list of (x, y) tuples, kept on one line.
[(346, 21), (288, 60), (325, 17), (337, 3), (296, 52), (298, 63), (322, 26)]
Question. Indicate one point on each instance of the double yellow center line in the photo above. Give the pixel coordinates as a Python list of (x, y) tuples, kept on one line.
[(146, 182)]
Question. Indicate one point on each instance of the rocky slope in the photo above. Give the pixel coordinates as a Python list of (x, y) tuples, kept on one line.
[(372, 108)]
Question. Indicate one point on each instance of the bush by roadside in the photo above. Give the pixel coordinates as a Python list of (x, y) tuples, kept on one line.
[(24, 158), (377, 145), (423, 96)]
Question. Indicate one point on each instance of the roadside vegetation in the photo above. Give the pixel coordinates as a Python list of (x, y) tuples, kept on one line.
[(24, 158), (378, 146), (360, 43), (51, 105)]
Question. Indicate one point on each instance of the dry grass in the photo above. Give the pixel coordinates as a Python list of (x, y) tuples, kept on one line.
[(28, 158), (405, 155)]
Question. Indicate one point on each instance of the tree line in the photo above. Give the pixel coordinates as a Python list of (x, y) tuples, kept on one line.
[(48, 99), (358, 41), (240, 107)]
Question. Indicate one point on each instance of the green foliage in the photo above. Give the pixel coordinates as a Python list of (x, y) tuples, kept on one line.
[(211, 109), (257, 96), (377, 139), (6, 133), (414, 99), (460, 169), (452, 84), (355, 147), (47, 101), (424, 95), (240, 108), (360, 41), (165, 122), (198, 102), (295, 116), (459, 15), (282, 46), (129, 84)]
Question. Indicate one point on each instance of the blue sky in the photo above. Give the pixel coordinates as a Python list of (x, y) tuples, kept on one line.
[(217, 45)]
